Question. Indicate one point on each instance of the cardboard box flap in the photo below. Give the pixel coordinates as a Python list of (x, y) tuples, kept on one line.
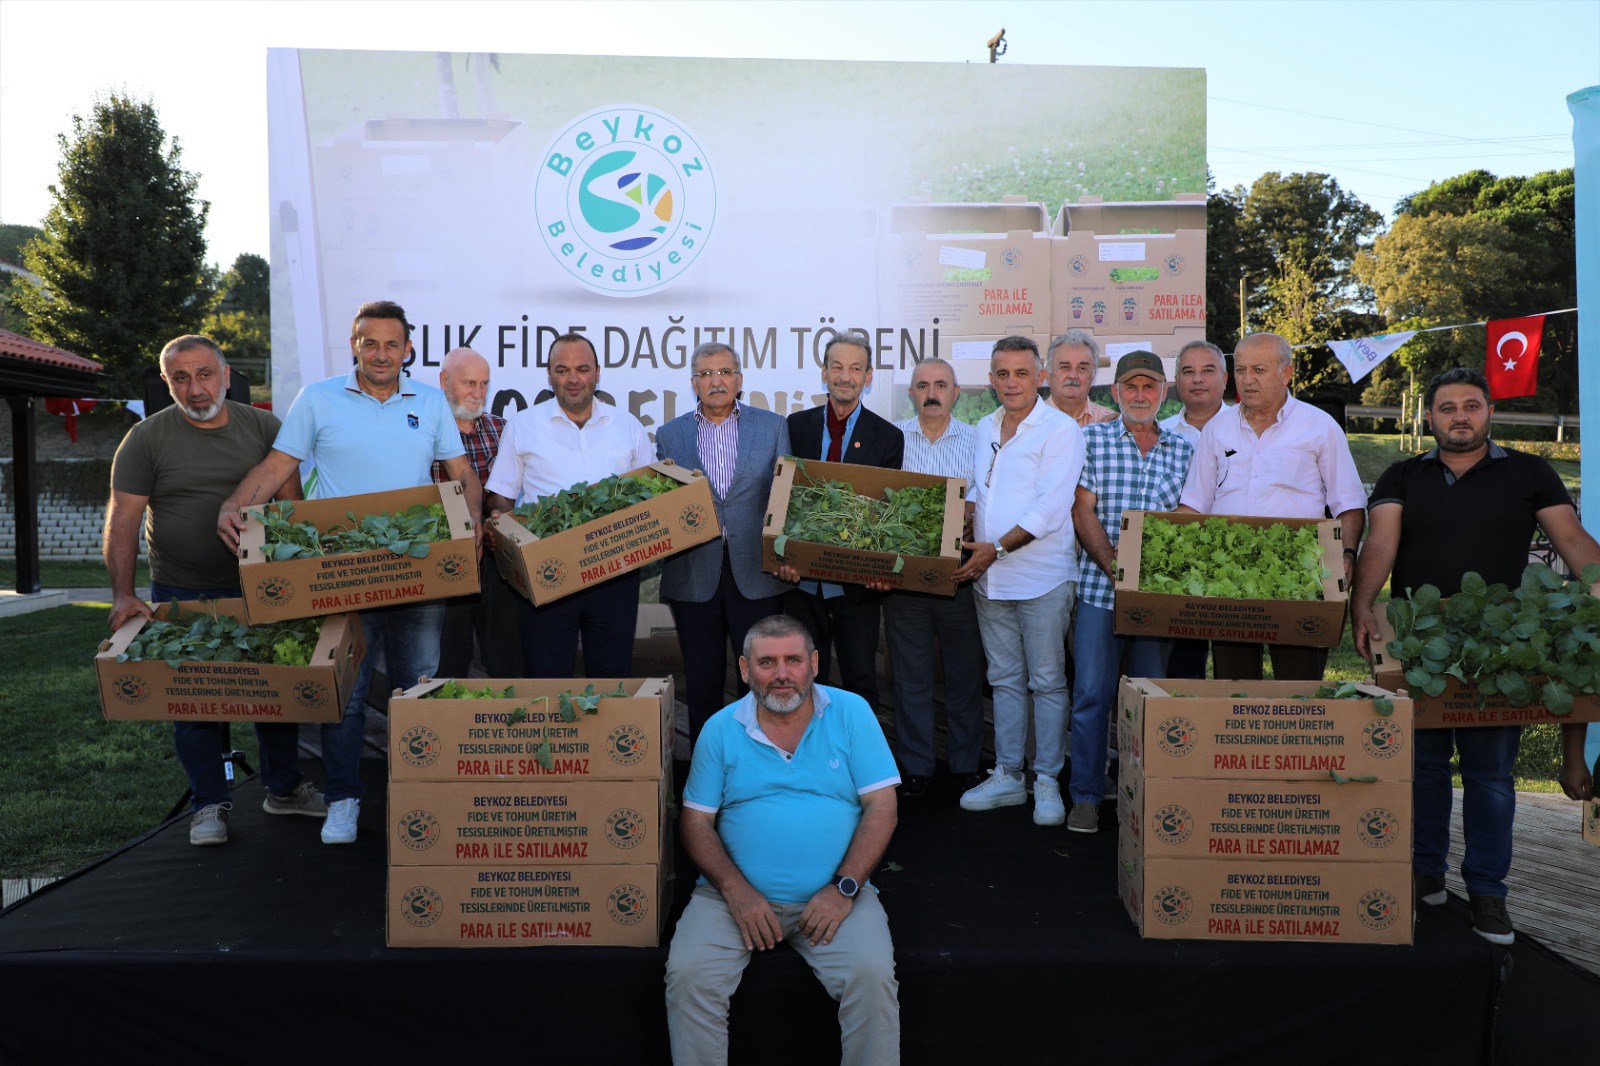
[(1152, 218), (1329, 533), (334, 512), (957, 220)]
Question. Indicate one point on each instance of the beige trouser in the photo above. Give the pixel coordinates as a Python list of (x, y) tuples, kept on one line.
[(708, 957)]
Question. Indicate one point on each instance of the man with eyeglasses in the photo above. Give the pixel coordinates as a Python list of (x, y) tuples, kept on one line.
[(1029, 457), (717, 591), (553, 445), (844, 618)]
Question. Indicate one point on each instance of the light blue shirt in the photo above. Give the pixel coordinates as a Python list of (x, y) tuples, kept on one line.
[(359, 444), (787, 820)]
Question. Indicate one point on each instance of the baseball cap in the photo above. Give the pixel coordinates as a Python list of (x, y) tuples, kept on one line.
[(1141, 362)]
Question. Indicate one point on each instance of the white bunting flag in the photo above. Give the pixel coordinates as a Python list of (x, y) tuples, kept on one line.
[(1361, 355)]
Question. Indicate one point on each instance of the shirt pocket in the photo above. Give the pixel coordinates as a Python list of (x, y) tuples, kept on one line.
[(1290, 469)]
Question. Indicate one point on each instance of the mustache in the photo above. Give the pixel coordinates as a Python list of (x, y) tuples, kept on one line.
[(933, 401)]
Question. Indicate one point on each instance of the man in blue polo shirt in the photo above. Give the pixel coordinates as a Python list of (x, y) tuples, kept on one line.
[(789, 806), (371, 430)]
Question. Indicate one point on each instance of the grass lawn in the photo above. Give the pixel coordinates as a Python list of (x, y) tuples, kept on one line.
[(70, 575), (72, 785), (1374, 452)]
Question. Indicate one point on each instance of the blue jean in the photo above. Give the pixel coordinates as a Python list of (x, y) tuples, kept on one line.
[(200, 744), (1025, 641), (1098, 653), (1488, 804), (409, 637)]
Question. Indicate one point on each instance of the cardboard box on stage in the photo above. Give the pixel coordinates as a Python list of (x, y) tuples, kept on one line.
[(229, 692), (1135, 268), (1591, 822), (1458, 706), (1260, 731), (546, 569), (352, 581), (1242, 899), (1316, 623), (973, 269), (527, 823), (846, 565), (1266, 820), (629, 738), (526, 906)]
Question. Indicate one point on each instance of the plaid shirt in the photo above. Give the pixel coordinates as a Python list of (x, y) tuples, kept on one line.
[(1126, 479), (482, 442)]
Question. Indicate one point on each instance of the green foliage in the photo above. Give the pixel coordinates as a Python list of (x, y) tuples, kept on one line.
[(560, 511), (1537, 643), (908, 521), (206, 636), (407, 532), (246, 287), (1216, 557), (240, 335), (455, 690), (122, 255), (12, 237)]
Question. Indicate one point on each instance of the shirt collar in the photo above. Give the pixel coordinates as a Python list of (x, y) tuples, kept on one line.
[(744, 712), (408, 386), (598, 414), (1495, 452), (701, 419)]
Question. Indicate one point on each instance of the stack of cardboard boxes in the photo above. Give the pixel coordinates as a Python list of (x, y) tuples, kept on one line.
[(522, 820), (1133, 274)]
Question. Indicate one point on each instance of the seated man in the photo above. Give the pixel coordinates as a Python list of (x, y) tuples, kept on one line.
[(789, 805)]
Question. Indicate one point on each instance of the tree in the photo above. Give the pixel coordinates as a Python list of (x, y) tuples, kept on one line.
[(247, 286), (1472, 248), (122, 256), (241, 323), (12, 237), (1224, 263)]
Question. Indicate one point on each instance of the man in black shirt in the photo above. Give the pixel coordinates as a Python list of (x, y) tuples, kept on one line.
[(1467, 505)]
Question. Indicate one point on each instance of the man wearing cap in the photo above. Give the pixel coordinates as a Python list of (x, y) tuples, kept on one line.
[(1133, 464), (1069, 370), (1275, 457)]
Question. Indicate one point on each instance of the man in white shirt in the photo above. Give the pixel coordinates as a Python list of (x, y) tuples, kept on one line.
[(913, 622), (551, 446), (1273, 456), (1202, 379), (1026, 467)]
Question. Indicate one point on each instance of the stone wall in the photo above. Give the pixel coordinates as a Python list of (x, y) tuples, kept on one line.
[(71, 516)]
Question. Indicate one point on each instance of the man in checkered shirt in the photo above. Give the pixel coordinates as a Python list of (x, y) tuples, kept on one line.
[(490, 615), (1132, 464)]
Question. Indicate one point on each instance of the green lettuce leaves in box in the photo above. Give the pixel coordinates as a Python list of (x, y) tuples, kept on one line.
[(1231, 560), (583, 502), (407, 532), (206, 636), (1536, 643)]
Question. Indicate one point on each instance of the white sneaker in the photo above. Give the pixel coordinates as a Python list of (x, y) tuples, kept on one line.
[(209, 826), (340, 828), (1047, 806), (1002, 789)]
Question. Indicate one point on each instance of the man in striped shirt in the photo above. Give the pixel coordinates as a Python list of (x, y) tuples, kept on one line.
[(1133, 464), (938, 444), (490, 615)]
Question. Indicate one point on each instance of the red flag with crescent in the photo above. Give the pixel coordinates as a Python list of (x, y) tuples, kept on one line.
[(1512, 362)]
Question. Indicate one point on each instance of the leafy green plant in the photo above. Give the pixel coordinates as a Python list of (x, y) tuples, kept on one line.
[(1539, 642), (455, 690), (549, 515), (1232, 560), (908, 521), (206, 636), (407, 532)]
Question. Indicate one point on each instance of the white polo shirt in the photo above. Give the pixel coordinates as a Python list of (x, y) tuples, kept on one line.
[(1030, 484), (1179, 423), (1301, 464), (542, 451)]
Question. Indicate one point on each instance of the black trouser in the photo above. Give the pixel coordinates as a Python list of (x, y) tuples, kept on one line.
[(605, 614), (490, 617), (705, 633), (1188, 658), (1290, 662), (847, 626)]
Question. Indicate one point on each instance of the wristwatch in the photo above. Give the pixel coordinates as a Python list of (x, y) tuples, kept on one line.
[(847, 886), (999, 552)]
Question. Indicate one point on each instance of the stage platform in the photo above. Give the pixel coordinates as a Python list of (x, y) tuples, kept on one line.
[(1010, 942)]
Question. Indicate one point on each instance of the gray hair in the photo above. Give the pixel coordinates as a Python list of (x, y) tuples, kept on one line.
[(1016, 343), (852, 338), (1222, 360), (193, 340), (935, 361), (777, 625), (1076, 337), (1277, 343), (711, 348)]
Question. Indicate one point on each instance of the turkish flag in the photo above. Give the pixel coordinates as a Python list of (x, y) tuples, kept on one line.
[(1512, 363)]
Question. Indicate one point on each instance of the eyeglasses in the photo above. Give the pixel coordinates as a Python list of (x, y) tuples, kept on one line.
[(723, 372), (995, 446)]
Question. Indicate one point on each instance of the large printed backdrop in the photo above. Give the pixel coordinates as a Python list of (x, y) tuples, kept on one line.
[(657, 203)]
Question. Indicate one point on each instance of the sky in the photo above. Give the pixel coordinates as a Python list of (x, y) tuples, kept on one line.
[(1387, 97)]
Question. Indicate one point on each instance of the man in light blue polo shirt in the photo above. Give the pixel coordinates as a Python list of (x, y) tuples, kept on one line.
[(371, 430), (789, 806)]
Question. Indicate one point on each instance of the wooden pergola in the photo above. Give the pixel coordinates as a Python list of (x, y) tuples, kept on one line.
[(30, 370)]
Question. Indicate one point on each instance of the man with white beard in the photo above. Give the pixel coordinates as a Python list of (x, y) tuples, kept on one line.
[(177, 466), (789, 806)]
